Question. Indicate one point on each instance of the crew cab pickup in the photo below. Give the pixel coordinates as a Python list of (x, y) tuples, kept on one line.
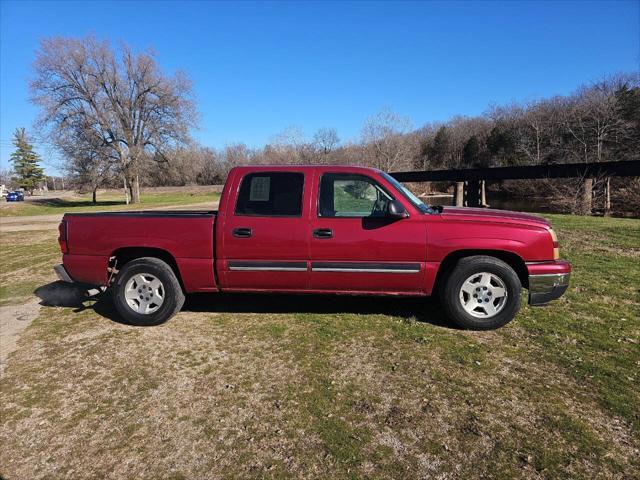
[(322, 230)]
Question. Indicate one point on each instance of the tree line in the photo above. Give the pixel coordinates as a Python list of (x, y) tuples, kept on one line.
[(599, 122), (119, 120)]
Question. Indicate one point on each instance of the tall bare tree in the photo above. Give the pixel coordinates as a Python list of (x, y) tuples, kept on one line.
[(120, 97)]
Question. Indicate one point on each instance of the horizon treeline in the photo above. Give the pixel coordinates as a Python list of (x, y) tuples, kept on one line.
[(598, 122)]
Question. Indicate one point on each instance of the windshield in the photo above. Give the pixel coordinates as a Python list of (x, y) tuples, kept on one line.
[(408, 194)]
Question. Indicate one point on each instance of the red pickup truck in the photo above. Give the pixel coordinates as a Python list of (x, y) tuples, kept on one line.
[(317, 229)]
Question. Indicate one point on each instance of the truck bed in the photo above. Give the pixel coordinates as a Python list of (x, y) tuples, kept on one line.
[(183, 235)]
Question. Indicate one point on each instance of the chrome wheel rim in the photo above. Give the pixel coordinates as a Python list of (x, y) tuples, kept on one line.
[(483, 295), (144, 293)]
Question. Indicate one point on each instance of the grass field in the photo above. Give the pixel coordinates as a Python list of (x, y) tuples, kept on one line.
[(110, 201), (309, 387)]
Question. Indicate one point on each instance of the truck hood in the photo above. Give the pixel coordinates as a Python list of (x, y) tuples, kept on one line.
[(492, 216)]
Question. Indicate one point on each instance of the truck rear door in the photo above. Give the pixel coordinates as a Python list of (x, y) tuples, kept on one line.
[(265, 240)]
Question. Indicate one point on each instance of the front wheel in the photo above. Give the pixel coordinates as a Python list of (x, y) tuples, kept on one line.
[(147, 292), (481, 293)]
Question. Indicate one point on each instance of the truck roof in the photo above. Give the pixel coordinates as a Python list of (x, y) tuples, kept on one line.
[(332, 168)]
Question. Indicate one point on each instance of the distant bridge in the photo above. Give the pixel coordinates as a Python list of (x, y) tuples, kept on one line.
[(470, 181)]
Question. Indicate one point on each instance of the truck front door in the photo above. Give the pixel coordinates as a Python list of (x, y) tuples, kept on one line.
[(355, 246)]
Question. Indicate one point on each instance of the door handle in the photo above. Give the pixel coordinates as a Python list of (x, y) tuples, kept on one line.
[(242, 232), (323, 233)]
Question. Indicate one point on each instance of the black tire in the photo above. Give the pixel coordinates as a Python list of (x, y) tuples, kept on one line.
[(173, 296), (450, 293)]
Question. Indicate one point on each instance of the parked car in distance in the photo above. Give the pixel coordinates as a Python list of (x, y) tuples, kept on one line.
[(317, 229), (15, 196)]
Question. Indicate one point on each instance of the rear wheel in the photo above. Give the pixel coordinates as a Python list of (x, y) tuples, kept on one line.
[(481, 293), (147, 292)]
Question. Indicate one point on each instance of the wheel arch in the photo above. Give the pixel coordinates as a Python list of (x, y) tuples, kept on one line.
[(125, 255), (514, 260)]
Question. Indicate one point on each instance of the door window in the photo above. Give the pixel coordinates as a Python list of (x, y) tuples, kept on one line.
[(271, 194), (345, 195)]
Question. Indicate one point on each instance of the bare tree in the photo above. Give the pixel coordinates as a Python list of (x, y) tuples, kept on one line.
[(122, 97), (292, 146), (5, 177), (592, 120), (88, 161), (385, 141), (212, 172), (326, 139), (187, 165), (533, 125), (606, 124), (236, 155)]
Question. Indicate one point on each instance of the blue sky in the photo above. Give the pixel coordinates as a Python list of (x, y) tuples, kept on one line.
[(260, 67)]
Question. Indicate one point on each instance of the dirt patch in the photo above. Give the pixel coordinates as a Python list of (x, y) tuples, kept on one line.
[(182, 399), (27, 223), (13, 320)]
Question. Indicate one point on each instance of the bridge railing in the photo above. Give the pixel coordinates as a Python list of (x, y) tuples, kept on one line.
[(470, 181)]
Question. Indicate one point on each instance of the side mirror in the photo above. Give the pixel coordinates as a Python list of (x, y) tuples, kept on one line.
[(396, 210)]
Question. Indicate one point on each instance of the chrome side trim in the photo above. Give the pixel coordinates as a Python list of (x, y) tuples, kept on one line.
[(346, 267), (547, 282), (364, 270), (268, 269), (267, 266), (365, 267)]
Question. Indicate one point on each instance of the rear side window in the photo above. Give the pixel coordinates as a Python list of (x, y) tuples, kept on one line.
[(271, 194)]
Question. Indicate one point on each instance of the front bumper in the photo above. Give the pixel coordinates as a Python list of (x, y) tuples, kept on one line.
[(547, 280), (62, 274), (547, 287)]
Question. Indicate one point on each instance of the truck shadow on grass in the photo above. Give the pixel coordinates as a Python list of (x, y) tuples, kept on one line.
[(426, 310)]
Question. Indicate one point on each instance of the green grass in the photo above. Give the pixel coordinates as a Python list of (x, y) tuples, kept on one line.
[(291, 387), (25, 265), (597, 337), (83, 203)]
